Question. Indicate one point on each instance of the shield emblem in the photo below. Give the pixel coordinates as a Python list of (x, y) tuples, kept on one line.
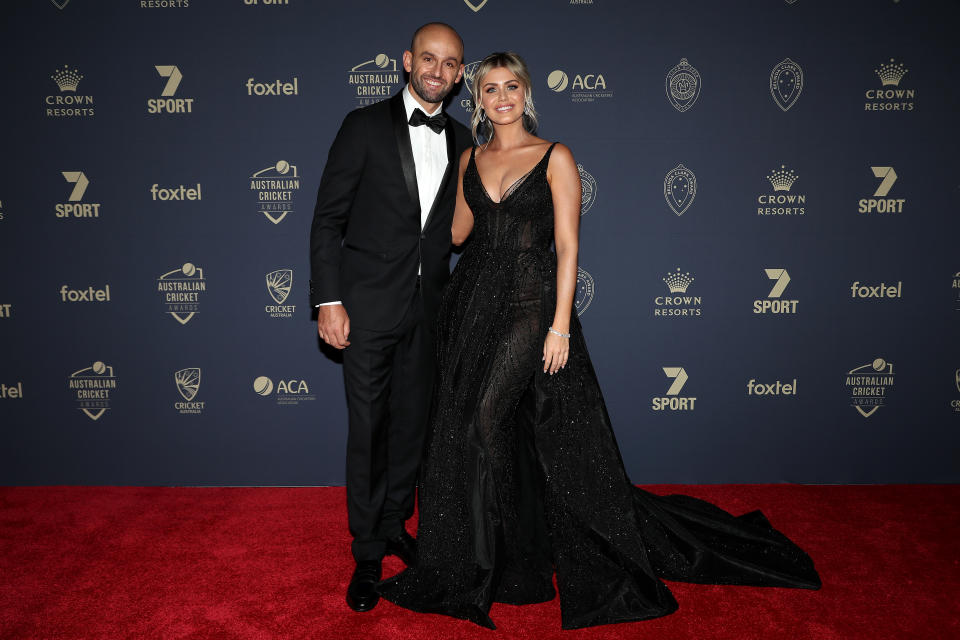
[(585, 291), (588, 190), (683, 85), (469, 71), (279, 283), (679, 189), (476, 7), (188, 382), (274, 219), (786, 83)]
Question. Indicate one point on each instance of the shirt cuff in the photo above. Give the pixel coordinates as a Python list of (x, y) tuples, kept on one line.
[(327, 304)]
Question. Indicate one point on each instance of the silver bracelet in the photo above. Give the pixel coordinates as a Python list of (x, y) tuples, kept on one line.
[(557, 333)]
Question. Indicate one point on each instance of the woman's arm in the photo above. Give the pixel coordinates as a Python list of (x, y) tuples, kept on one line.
[(462, 216)]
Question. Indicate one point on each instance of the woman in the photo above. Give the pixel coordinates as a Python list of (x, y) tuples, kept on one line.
[(522, 476)]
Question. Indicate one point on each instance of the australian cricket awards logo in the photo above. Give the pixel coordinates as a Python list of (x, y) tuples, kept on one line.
[(672, 400), (869, 386), (774, 303), (374, 80), (289, 391), (890, 96), (168, 102), (781, 201), (75, 207), (584, 87), (469, 74), (585, 291), (279, 283), (588, 190), (68, 103), (475, 5), (683, 85), (188, 385), (180, 291), (880, 203), (786, 83), (678, 304), (679, 189), (91, 388), (275, 187)]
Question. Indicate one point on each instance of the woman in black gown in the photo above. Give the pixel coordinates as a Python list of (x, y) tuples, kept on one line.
[(522, 477)]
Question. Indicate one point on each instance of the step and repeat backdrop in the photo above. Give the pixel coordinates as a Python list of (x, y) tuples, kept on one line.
[(770, 258)]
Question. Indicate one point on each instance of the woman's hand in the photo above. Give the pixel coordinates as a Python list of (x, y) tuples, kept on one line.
[(555, 353)]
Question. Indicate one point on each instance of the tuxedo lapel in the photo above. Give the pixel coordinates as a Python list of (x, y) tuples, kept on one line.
[(451, 152), (402, 133)]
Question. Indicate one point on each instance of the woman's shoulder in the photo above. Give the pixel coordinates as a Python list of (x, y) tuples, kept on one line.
[(560, 155)]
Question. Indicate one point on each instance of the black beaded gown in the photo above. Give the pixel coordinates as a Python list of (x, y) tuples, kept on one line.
[(522, 477)]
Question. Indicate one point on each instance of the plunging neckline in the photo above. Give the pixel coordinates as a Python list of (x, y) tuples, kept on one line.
[(509, 191)]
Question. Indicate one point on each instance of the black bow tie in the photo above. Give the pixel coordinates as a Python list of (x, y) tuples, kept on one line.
[(437, 122)]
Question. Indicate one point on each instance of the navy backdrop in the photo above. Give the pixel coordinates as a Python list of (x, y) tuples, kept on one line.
[(746, 164)]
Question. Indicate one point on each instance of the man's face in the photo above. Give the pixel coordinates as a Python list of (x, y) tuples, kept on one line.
[(435, 65)]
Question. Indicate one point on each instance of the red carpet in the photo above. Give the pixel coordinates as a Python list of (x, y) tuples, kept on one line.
[(192, 563)]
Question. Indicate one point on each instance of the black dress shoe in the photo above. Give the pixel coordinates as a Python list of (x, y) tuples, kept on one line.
[(404, 547), (362, 594)]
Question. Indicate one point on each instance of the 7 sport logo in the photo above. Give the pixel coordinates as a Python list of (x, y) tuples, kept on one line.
[(166, 103), (672, 401), (880, 203), (773, 302)]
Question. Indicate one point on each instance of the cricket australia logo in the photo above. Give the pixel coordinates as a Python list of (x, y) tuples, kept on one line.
[(679, 189), (469, 72), (188, 382), (786, 83), (683, 85), (279, 283)]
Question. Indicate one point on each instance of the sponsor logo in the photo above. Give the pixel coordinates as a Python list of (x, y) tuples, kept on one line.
[(773, 304), (672, 400), (956, 403), (188, 385), (279, 283), (11, 392), (180, 193), (167, 103), (288, 391), (786, 83), (776, 388), (267, 3), (879, 203), (956, 291), (74, 208), (374, 80), (164, 4), (781, 202), (588, 190), (92, 388), (683, 85), (584, 87), (180, 291), (586, 289), (890, 96), (85, 295), (274, 88), (60, 4), (677, 304), (475, 5), (68, 103), (679, 189), (275, 187), (869, 386), (581, 1), (882, 290), (6, 310), (469, 71)]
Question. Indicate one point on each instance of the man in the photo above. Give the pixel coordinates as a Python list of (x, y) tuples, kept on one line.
[(380, 248)]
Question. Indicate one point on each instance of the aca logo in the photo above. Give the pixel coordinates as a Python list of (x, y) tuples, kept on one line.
[(781, 202), (289, 391), (588, 190), (273, 88), (773, 303), (74, 207), (279, 283), (6, 310), (679, 189), (869, 386), (374, 80), (879, 203), (11, 392), (683, 85), (85, 295), (167, 103), (672, 400), (776, 388), (68, 103), (275, 187), (586, 288), (180, 291), (677, 304), (469, 73), (92, 388), (890, 97), (187, 382), (786, 83), (882, 290), (584, 87)]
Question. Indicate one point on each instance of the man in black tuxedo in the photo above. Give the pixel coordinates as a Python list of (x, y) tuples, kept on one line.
[(380, 249)]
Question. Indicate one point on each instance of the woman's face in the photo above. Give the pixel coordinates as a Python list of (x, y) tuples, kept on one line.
[(501, 96)]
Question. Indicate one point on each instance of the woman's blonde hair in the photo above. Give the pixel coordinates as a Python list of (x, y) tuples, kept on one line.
[(483, 129)]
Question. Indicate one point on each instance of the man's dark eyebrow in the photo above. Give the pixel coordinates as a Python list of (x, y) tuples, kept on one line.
[(433, 55)]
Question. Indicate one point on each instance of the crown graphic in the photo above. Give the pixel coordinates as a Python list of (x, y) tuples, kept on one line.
[(782, 179), (66, 79), (890, 74), (678, 282)]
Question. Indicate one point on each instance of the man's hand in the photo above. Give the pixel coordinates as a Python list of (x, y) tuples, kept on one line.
[(333, 325)]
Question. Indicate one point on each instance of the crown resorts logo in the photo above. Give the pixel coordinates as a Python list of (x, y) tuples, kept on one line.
[(683, 85), (672, 400), (11, 392), (585, 87), (279, 283), (85, 295), (180, 291), (588, 190), (773, 304), (890, 96), (374, 80), (92, 387), (167, 103), (786, 83), (275, 187), (289, 391), (74, 208), (68, 103), (165, 4), (882, 290), (956, 291), (679, 189), (677, 304), (187, 382), (879, 203), (869, 386), (469, 75), (776, 388), (781, 202), (586, 289)]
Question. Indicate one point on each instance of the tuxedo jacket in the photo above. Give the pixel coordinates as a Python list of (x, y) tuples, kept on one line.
[(366, 240)]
